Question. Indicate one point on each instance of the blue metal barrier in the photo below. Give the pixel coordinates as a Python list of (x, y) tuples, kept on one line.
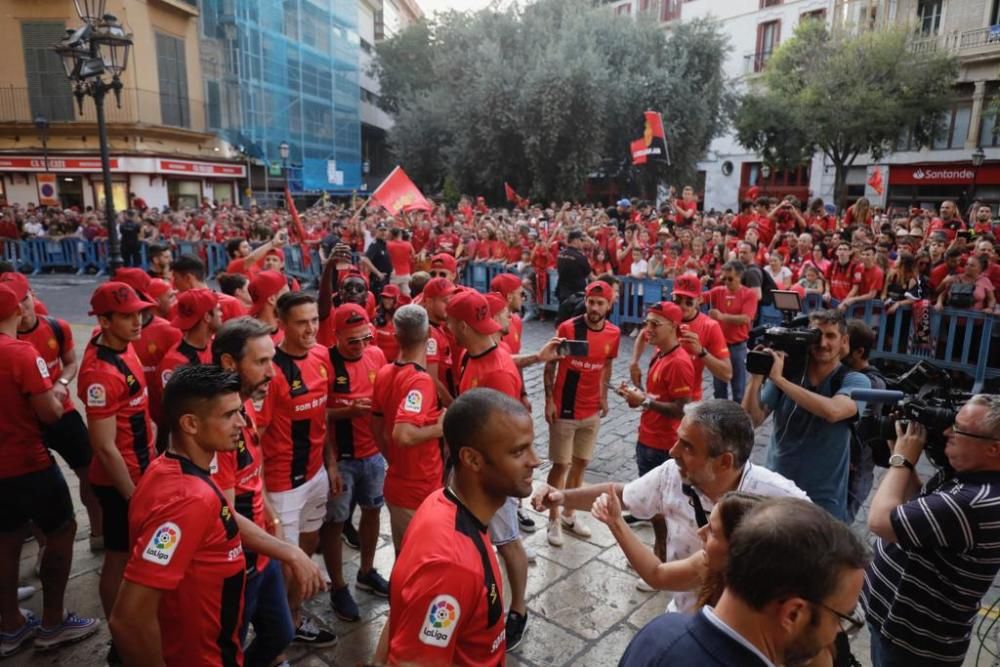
[(13, 252), (216, 258)]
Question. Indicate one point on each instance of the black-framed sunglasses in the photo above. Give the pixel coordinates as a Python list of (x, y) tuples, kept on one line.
[(683, 301), (855, 621), (438, 274)]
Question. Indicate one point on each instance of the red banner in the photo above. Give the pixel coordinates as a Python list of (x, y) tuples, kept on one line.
[(185, 167), (297, 226), (653, 145), (956, 173), (875, 181), (397, 194)]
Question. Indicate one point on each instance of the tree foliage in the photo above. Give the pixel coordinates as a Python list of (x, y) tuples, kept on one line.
[(843, 95), (542, 97)]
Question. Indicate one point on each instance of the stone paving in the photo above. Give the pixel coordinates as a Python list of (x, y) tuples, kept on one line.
[(582, 600)]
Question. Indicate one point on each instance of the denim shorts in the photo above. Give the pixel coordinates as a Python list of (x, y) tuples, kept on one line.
[(504, 527), (647, 458), (362, 482)]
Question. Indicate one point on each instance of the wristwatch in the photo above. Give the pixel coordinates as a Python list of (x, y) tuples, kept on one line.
[(646, 403), (899, 461), (703, 353), (64, 382)]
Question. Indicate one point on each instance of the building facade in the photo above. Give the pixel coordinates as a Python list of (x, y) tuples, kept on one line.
[(162, 148)]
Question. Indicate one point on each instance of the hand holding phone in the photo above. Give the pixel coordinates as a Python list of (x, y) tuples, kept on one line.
[(574, 348)]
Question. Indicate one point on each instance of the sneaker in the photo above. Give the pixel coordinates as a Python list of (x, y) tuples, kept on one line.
[(72, 629), (311, 634), (25, 592), (344, 605), (96, 543), (641, 585), (350, 536), (554, 533), (515, 629), (526, 522), (632, 521), (373, 582), (577, 526), (12, 642), (531, 554)]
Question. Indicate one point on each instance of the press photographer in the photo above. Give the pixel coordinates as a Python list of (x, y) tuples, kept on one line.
[(939, 546), (810, 441)]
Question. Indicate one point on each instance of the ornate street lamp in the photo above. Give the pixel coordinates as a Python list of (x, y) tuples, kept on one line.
[(978, 157), (284, 149), (95, 56)]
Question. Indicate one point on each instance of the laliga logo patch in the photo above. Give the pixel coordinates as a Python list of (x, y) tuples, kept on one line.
[(432, 346), (413, 402), (164, 543), (97, 396), (43, 368), (442, 619)]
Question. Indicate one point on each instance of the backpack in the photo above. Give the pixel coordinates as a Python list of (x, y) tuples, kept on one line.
[(864, 428), (767, 285)]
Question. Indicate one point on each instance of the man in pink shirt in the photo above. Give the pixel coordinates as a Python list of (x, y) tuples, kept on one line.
[(734, 307)]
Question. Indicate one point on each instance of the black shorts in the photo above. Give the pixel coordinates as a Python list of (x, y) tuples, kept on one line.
[(69, 439), (41, 497), (114, 509)]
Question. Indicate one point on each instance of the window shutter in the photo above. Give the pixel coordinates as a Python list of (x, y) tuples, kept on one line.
[(49, 91), (171, 67)]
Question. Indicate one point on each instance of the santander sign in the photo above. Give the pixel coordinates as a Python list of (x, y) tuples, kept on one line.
[(943, 174)]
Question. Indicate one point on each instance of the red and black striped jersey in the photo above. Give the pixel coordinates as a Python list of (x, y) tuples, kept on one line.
[(577, 391), (23, 374), (353, 379)]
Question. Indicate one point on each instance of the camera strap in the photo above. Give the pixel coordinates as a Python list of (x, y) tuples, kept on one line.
[(700, 517)]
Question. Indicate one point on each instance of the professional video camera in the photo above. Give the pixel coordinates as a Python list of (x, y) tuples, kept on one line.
[(793, 338), (923, 395)]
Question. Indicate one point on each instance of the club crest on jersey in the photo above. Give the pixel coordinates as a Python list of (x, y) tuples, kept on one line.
[(97, 396), (413, 401), (322, 372), (53, 344), (442, 619), (43, 368), (371, 376), (163, 544)]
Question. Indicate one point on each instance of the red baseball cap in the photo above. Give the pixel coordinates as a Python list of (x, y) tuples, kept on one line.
[(601, 289), (17, 283), (497, 302), (192, 305), (116, 297), (667, 310), (436, 287), (349, 315), (505, 283), (137, 279), (391, 291), (8, 301), (444, 261), (473, 309), (157, 288), (263, 286), (687, 285), (277, 252)]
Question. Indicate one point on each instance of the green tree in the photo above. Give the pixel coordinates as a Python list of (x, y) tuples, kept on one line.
[(545, 95), (845, 96)]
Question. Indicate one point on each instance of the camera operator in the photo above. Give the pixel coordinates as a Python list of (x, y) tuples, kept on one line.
[(810, 441), (939, 546)]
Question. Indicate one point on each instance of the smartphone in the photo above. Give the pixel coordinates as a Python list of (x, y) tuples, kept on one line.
[(574, 348)]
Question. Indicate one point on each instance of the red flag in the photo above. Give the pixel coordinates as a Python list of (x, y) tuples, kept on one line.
[(297, 226), (398, 193), (639, 151), (509, 191), (653, 145), (875, 181)]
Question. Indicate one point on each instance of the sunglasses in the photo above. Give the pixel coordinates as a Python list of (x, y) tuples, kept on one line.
[(438, 274), (683, 301), (361, 339)]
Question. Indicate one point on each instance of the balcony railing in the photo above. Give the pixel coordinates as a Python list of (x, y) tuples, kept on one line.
[(754, 63), (147, 107), (964, 43)]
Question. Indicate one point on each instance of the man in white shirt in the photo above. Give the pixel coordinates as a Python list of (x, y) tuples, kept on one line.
[(710, 458)]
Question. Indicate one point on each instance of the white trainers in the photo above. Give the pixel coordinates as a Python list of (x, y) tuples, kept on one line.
[(554, 533), (531, 554), (641, 585), (577, 526), (25, 592)]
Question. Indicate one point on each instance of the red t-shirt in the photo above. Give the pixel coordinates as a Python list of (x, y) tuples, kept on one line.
[(353, 379), (187, 545), (577, 391), (680, 205), (51, 337), (230, 307), (445, 597), (239, 265), (400, 254), (385, 339), (513, 337), (156, 339), (404, 393), (23, 374), (447, 243), (671, 377), (868, 280), (293, 418), (951, 228), (942, 271), (494, 369), (711, 338), (111, 384), (741, 302), (440, 352), (241, 471), (841, 279), (181, 354)]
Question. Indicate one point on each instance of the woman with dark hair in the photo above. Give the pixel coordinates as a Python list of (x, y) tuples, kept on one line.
[(725, 516)]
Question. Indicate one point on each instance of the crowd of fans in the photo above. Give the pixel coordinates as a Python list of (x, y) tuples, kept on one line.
[(229, 436)]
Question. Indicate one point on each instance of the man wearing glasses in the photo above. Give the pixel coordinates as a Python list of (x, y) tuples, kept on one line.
[(734, 307), (939, 545)]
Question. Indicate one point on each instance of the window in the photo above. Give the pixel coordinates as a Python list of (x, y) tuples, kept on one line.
[(986, 133), (624, 10), (768, 36), (929, 16), (769, 3), (670, 10), (49, 92), (172, 69), (954, 127), (214, 103), (815, 15)]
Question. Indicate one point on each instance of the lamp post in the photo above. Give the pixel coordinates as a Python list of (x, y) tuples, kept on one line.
[(978, 157), (91, 53), (284, 149), (42, 124)]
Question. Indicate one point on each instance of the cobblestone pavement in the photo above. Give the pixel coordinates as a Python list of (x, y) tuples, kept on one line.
[(582, 600)]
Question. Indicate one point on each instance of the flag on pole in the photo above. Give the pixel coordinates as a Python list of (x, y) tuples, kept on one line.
[(297, 226), (653, 145), (875, 181), (512, 196), (397, 193)]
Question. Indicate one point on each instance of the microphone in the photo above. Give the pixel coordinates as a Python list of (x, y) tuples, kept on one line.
[(877, 395)]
